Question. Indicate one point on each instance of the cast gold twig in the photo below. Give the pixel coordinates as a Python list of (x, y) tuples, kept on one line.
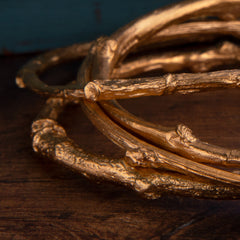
[(157, 159)]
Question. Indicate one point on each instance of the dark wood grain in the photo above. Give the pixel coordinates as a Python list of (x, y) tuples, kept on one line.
[(40, 199)]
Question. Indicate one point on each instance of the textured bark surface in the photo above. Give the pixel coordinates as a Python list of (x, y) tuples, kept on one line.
[(40, 199)]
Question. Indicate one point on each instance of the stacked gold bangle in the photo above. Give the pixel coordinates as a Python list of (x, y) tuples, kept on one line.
[(158, 159)]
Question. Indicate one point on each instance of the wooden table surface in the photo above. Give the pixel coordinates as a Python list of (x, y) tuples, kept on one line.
[(40, 199)]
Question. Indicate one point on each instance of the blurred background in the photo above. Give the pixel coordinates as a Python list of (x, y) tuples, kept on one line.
[(33, 25)]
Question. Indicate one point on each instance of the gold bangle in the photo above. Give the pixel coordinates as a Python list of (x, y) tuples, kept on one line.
[(184, 157)]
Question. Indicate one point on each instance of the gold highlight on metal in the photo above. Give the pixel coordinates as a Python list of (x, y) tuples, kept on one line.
[(157, 159)]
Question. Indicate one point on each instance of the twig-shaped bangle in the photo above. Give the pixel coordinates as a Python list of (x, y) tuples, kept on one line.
[(149, 148), (50, 140)]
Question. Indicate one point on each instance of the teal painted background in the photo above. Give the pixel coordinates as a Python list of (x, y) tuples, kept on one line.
[(35, 25)]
